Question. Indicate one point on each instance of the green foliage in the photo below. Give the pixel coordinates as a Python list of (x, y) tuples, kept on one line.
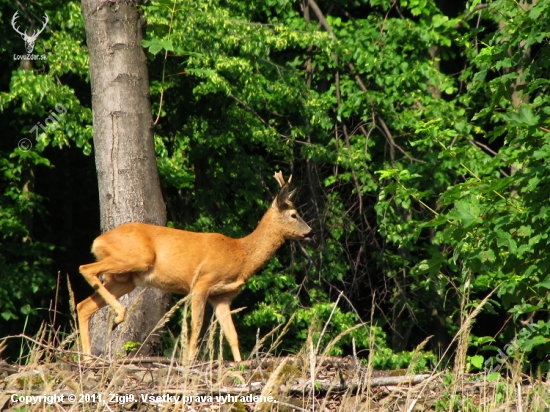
[(418, 135), (507, 237), (131, 346), (490, 228), (240, 72), (30, 94)]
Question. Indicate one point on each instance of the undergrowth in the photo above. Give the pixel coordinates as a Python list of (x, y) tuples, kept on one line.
[(308, 380)]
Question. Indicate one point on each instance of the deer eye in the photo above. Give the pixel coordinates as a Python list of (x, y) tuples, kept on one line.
[(293, 216)]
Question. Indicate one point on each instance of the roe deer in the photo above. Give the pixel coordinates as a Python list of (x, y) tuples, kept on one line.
[(210, 266)]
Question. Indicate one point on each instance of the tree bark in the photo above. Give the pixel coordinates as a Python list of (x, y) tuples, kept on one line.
[(129, 186)]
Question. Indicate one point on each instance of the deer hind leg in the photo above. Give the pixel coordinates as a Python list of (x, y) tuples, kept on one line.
[(118, 276), (84, 310), (222, 308), (89, 306), (198, 303)]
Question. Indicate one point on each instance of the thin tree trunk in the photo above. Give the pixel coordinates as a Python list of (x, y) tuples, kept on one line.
[(129, 187), (517, 97)]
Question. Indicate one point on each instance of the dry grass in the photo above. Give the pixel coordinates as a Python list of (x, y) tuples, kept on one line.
[(305, 382), (54, 378)]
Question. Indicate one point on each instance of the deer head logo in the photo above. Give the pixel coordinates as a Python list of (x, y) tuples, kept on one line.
[(29, 40)]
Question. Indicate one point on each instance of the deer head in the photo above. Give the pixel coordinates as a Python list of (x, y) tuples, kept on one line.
[(291, 224), (29, 40)]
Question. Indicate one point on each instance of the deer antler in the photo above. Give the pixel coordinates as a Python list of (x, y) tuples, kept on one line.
[(15, 17), (35, 34), (280, 179)]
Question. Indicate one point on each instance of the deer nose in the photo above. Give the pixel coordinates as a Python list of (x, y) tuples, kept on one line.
[(309, 235)]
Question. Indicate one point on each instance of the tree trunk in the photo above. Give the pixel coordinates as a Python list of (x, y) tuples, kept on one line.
[(129, 187)]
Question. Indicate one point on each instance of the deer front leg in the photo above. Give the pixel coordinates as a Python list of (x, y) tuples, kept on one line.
[(198, 303), (223, 314)]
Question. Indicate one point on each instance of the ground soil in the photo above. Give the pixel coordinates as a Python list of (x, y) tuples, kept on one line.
[(283, 384)]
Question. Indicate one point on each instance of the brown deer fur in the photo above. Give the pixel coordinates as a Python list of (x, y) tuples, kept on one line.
[(211, 266)]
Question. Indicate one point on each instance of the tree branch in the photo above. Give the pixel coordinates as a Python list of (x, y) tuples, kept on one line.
[(476, 8), (386, 132)]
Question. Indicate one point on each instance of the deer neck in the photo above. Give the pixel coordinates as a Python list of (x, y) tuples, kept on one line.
[(260, 245)]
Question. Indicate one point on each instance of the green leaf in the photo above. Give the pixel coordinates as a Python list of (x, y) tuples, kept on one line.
[(156, 45), (534, 342), (524, 117), (487, 255), (466, 212), (432, 265), (477, 361), (493, 376), (387, 174), (25, 309), (439, 20), (8, 315)]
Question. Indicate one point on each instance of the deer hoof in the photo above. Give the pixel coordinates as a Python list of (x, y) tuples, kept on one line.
[(119, 318)]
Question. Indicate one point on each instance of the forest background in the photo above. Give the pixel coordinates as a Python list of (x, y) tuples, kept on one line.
[(417, 132)]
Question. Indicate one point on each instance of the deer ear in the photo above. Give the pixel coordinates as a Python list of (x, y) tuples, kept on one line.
[(291, 193), (282, 198)]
